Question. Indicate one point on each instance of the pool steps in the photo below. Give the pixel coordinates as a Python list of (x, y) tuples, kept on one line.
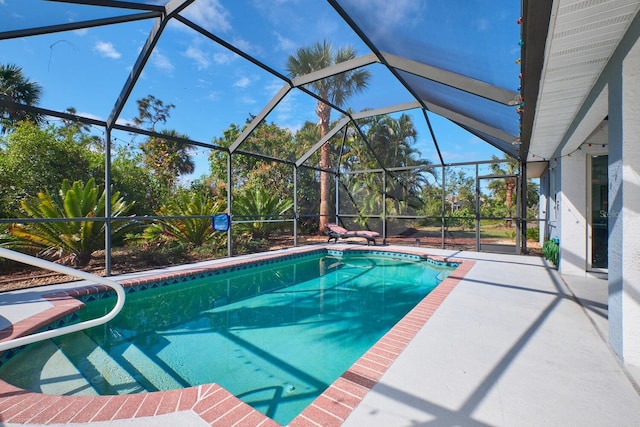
[(87, 370), (214, 404)]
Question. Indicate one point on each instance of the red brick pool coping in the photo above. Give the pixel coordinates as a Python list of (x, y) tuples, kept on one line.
[(211, 402)]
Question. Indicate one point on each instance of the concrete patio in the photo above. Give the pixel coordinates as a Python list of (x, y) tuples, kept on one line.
[(513, 344)]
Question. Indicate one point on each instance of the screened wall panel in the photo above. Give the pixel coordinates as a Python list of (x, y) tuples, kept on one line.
[(361, 194)]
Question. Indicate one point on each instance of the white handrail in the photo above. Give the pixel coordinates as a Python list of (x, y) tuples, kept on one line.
[(37, 262)]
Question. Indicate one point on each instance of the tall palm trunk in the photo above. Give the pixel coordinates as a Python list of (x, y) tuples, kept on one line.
[(324, 114), (510, 189)]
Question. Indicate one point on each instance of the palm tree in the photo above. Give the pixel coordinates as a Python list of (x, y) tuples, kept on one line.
[(17, 88), (167, 158), (509, 184), (335, 89), (393, 140)]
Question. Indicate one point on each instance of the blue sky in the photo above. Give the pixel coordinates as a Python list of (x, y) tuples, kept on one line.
[(211, 87)]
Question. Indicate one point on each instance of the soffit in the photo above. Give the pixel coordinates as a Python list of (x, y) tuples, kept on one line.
[(582, 37)]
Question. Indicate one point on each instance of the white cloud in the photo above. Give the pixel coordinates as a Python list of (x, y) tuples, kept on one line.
[(209, 14), (199, 57), (245, 46), (161, 61), (272, 87), (392, 14), (284, 44), (243, 82), (90, 116), (248, 100), (222, 58), (107, 50)]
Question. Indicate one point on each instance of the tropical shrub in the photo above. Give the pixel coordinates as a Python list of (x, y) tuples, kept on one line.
[(70, 242), (186, 231), (260, 204)]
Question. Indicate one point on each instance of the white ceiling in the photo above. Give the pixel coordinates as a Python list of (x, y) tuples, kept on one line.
[(583, 35)]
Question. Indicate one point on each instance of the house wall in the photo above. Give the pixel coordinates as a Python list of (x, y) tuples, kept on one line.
[(624, 208), (621, 81), (574, 203)]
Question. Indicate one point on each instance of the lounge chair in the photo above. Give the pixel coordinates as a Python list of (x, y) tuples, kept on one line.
[(335, 232)]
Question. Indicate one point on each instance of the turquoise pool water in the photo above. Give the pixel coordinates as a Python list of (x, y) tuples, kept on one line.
[(276, 335)]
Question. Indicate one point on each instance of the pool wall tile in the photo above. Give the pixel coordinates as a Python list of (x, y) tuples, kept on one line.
[(211, 402)]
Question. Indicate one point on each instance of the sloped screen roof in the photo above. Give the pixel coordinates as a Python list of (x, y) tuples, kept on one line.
[(452, 65)]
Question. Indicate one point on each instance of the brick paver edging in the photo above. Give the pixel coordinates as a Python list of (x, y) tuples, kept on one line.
[(211, 402)]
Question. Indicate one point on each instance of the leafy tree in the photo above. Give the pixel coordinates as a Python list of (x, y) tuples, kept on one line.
[(166, 157), (152, 111), (186, 231), (17, 88), (336, 89), (76, 130), (35, 159), (431, 194), (71, 242), (135, 182), (267, 139), (308, 195), (505, 188)]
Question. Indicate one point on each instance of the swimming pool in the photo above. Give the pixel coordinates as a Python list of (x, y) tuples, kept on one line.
[(257, 329)]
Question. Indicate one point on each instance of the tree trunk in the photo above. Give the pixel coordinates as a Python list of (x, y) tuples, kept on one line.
[(510, 184), (324, 115)]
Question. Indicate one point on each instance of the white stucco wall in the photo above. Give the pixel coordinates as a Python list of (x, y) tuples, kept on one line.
[(573, 215), (629, 214)]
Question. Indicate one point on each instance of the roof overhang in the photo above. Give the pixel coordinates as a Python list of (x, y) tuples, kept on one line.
[(568, 45)]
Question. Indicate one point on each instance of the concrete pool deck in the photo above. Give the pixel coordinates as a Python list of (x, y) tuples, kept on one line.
[(511, 343)]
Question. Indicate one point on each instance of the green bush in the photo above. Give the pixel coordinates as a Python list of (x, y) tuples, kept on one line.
[(551, 251), (69, 242), (533, 233), (163, 255), (188, 230)]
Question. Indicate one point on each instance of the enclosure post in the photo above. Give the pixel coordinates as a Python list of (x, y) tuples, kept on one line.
[(107, 203), (336, 184), (384, 206), (523, 208), (295, 205), (442, 225), (229, 203), (477, 210)]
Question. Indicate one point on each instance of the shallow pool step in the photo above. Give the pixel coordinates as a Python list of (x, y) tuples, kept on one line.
[(48, 371), (145, 370), (60, 376), (101, 370)]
